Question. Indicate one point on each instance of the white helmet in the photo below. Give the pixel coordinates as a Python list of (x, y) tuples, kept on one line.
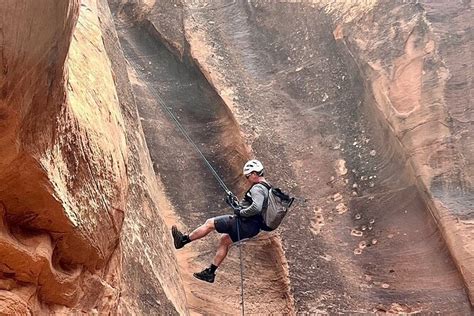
[(253, 165)]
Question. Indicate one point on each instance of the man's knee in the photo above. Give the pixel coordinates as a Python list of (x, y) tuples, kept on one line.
[(210, 223), (225, 240)]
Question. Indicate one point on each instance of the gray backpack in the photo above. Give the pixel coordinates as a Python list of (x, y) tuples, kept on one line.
[(275, 207)]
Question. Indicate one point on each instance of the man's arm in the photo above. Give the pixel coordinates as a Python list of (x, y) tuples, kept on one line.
[(258, 192)]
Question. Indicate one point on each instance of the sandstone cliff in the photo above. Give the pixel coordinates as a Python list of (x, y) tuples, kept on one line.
[(362, 110), (73, 164), (313, 86)]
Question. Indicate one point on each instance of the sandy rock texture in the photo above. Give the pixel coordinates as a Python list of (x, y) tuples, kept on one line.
[(73, 164), (422, 87), (361, 109), (347, 104)]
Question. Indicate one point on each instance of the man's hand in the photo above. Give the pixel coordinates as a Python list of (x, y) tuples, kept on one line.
[(237, 212), (231, 199)]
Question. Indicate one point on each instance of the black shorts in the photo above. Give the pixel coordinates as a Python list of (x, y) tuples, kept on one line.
[(227, 224)]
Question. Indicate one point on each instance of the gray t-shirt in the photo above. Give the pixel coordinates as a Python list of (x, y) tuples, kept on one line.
[(253, 206)]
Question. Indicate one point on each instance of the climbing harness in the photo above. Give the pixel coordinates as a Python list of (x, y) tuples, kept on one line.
[(221, 183)]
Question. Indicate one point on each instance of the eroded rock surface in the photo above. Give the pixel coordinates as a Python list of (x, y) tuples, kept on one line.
[(362, 110), (66, 180), (421, 87), (340, 95)]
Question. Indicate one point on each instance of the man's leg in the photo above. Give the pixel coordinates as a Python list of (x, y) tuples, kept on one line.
[(224, 244), (202, 230), (209, 274), (180, 239)]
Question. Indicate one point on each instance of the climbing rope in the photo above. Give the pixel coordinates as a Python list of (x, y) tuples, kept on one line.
[(186, 135), (221, 183), (241, 268)]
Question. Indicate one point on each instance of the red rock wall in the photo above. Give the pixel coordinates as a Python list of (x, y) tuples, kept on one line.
[(369, 105), (418, 76), (84, 217), (149, 274), (74, 165), (37, 236)]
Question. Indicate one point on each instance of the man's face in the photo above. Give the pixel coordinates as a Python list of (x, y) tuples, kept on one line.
[(251, 177)]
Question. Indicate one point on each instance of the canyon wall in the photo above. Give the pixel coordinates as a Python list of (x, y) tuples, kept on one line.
[(75, 171), (415, 58), (360, 109), (346, 104)]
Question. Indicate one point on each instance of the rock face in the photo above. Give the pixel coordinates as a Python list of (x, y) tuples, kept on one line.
[(316, 96), (421, 88), (361, 110), (39, 211), (66, 179)]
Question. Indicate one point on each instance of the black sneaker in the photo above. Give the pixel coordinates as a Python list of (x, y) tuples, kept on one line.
[(177, 237), (205, 275)]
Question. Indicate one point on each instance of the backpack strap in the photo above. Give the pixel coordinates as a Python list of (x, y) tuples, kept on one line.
[(247, 194), (268, 187), (263, 226)]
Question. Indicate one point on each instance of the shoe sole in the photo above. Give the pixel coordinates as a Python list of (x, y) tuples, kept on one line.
[(176, 237), (199, 278)]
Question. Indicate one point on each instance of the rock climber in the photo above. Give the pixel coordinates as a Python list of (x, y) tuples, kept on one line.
[(248, 213)]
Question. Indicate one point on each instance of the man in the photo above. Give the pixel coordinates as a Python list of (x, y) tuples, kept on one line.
[(248, 214)]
